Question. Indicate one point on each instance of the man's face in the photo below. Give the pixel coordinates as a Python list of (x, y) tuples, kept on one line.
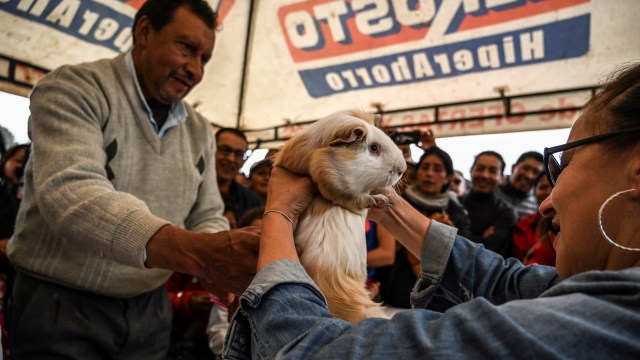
[(170, 62), (229, 155), (486, 174), (523, 174)]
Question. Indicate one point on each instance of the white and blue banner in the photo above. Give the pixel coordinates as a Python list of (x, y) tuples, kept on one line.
[(281, 62)]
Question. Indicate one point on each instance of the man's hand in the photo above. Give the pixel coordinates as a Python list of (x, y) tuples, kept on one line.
[(231, 260), (224, 262)]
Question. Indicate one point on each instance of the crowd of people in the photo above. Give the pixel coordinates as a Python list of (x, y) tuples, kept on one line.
[(129, 232)]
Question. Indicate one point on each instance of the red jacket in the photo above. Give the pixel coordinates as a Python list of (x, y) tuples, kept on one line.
[(181, 288), (526, 245)]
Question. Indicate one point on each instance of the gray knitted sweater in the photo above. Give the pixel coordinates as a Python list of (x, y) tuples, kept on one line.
[(100, 182)]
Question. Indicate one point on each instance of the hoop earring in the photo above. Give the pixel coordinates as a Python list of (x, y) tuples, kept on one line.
[(602, 231)]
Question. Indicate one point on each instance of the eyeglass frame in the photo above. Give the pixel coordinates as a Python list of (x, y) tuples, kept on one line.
[(229, 150), (549, 151)]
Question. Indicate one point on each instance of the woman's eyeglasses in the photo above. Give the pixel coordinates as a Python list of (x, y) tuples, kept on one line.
[(553, 155)]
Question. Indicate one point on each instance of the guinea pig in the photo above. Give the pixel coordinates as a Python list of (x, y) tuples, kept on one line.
[(347, 157)]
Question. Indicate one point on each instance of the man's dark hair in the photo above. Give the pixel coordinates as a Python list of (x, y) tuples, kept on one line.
[(490, 153), (234, 131), (160, 13), (530, 155)]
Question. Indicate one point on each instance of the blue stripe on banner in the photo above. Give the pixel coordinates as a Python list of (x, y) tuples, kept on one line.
[(559, 40), (90, 21)]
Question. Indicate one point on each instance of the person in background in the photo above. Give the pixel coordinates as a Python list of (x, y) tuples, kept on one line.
[(408, 178), (11, 183), (218, 323), (429, 194), (231, 153), (3, 147), (533, 235), (120, 191), (469, 302), (381, 252), (191, 305), (492, 220), (11, 174), (458, 183), (517, 189), (259, 175), (253, 217)]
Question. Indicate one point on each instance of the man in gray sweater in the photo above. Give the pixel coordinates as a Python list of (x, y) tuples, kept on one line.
[(120, 191)]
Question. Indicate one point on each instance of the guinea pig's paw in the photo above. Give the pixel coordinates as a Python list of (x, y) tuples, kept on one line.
[(377, 200)]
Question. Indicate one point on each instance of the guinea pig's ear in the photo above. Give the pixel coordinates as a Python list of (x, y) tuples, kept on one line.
[(356, 134)]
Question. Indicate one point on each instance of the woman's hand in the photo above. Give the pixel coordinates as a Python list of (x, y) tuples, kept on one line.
[(401, 219), (289, 195), (380, 213)]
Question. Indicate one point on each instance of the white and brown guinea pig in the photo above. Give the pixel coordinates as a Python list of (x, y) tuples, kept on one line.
[(346, 156)]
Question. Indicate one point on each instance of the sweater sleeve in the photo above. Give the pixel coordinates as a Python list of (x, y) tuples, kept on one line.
[(77, 201)]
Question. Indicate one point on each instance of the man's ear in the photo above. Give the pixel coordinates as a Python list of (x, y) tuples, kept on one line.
[(142, 30)]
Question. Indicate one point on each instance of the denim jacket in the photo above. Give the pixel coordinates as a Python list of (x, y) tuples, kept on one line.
[(504, 310)]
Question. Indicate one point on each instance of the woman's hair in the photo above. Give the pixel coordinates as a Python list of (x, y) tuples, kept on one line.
[(618, 105), (444, 157), (11, 152)]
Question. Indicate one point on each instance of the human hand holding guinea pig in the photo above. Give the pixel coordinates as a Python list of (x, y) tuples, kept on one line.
[(288, 195), (402, 220)]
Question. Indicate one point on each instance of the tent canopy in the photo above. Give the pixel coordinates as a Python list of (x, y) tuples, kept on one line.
[(458, 66)]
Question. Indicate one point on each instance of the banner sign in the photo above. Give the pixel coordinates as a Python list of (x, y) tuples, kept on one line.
[(278, 64), (325, 29), (91, 21)]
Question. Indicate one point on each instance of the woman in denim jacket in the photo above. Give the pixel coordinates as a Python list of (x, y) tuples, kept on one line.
[(470, 302)]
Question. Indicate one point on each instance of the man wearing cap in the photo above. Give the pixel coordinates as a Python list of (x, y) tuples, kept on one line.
[(259, 177)]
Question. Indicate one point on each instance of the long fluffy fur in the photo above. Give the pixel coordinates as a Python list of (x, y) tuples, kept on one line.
[(331, 232)]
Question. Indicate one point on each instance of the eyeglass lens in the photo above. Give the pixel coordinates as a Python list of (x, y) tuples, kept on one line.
[(554, 167), (226, 150)]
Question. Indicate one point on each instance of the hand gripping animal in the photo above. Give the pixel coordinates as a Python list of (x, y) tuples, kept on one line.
[(346, 156)]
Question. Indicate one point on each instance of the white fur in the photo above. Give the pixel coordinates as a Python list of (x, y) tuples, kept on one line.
[(331, 232)]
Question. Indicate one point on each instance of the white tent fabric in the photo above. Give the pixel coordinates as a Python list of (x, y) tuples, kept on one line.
[(278, 64)]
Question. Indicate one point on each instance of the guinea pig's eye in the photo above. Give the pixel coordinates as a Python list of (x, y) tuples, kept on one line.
[(374, 149)]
